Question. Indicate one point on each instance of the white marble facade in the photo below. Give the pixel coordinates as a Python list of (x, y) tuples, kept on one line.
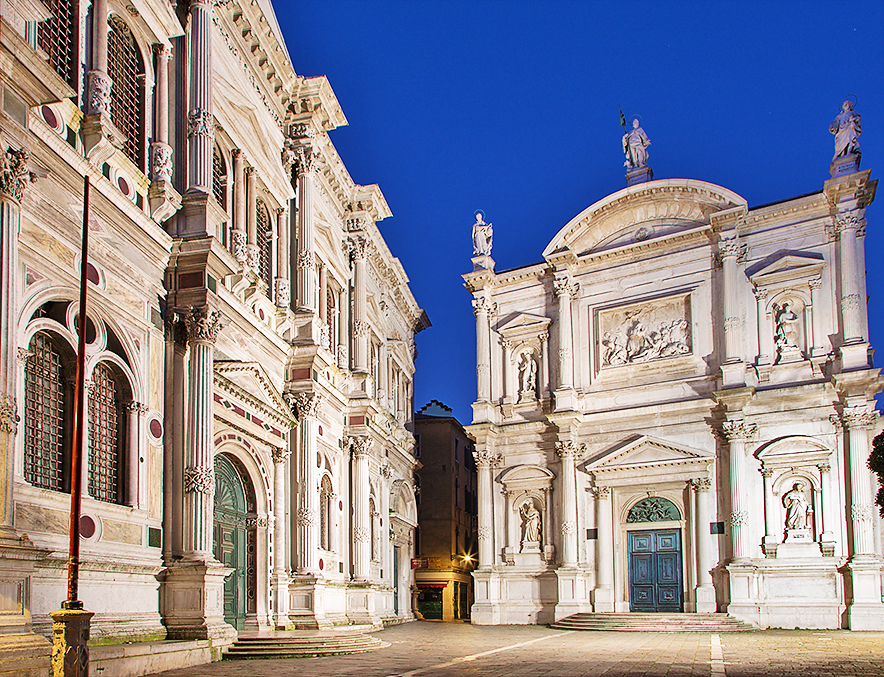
[(253, 334), (703, 403)]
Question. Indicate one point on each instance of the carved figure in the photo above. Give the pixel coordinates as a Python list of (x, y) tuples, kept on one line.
[(530, 523), (635, 146), (798, 510), (615, 349), (527, 375), (846, 128), (787, 326), (640, 345), (482, 234)]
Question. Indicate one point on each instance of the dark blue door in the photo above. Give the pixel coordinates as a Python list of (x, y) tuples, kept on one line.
[(655, 570)]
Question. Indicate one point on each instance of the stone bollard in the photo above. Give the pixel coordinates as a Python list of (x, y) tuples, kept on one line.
[(70, 633)]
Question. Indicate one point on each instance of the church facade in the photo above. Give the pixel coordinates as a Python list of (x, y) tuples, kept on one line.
[(683, 390), (250, 336)]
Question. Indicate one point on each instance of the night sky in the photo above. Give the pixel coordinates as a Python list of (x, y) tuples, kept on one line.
[(511, 107)]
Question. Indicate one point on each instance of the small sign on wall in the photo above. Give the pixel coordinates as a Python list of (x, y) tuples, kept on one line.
[(418, 563)]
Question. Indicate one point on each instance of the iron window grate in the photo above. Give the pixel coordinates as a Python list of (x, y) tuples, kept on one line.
[(56, 38), (219, 180), (125, 68), (44, 415), (103, 436), (265, 239)]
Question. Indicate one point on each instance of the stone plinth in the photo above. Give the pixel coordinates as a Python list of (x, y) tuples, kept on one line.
[(24, 655), (639, 175), (70, 634), (192, 601), (845, 165), (482, 262)]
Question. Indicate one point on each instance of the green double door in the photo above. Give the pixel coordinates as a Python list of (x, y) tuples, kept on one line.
[(231, 538)]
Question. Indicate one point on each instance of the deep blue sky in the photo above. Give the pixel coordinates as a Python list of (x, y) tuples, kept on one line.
[(512, 107)]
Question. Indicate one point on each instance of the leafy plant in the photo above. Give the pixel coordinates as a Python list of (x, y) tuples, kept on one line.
[(876, 465)]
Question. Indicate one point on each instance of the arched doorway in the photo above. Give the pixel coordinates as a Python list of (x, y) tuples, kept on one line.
[(655, 556), (235, 539)]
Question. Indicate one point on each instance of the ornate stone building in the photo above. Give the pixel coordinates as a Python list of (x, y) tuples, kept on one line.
[(676, 405), (250, 352)]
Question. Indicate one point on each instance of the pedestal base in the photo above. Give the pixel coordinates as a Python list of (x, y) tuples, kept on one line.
[(192, 594), (845, 165), (639, 175), (854, 356), (70, 634), (573, 593), (486, 595), (603, 600), (566, 399), (864, 608), (733, 375), (482, 262), (705, 599)]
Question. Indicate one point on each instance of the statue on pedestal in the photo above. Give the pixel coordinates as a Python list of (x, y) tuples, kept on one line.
[(528, 377), (846, 128), (798, 510), (530, 524), (635, 146), (787, 326), (482, 234)]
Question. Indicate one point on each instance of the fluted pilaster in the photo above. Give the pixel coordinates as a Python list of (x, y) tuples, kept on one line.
[(485, 461), (360, 448), (568, 452), (200, 115)]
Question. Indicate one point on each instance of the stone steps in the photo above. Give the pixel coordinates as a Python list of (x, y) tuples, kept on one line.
[(293, 645), (652, 622)]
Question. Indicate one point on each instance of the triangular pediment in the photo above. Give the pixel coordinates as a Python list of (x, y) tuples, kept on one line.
[(248, 382), (647, 451), (518, 323), (785, 265)]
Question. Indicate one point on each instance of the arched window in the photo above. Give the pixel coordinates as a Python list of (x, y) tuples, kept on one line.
[(126, 68), (57, 36), (219, 179), (265, 243), (105, 434), (47, 415), (653, 509), (325, 513)]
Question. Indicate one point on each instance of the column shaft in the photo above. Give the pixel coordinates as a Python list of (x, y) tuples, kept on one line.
[(567, 452), (605, 542), (566, 361), (730, 249), (704, 545), (344, 328), (483, 348), (282, 295), (306, 282), (161, 151), (857, 422), (200, 116), (362, 532), (763, 356), (252, 251), (308, 485), (9, 226), (852, 303), (360, 321), (736, 432), (485, 460)]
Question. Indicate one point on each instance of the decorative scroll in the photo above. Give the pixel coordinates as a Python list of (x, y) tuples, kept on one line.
[(645, 332), (653, 509)]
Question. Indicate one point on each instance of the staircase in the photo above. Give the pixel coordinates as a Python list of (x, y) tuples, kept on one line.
[(300, 644), (652, 622)]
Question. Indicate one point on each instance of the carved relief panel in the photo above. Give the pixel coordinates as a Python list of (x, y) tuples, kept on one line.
[(644, 332)]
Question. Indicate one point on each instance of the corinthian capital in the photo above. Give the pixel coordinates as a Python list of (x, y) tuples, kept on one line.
[(564, 286), (486, 458), (855, 219), (738, 430), (859, 417), (14, 173), (203, 324), (481, 305), (569, 449), (359, 446), (304, 404)]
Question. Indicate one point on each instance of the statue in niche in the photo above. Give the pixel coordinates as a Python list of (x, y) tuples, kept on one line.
[(798, 510), (530, 524), (635, 146), (482, 235), (787, 332), (846, 128), (528, 376)]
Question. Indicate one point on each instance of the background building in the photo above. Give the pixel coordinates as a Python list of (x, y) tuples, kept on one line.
[(250, 337), (446, 515), (674, 409)]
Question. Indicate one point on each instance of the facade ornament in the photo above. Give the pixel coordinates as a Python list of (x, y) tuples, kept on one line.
[(635, 146), (355, 224), (824, 467), (282, 293), (564, 285), (358, 247), (485, 533), (531, 525), (568, 527), (280, 454), (386, 471), (238, 245), (306, 260), (760, 293), (740, 518), (601, 492), (815, 283), (832, 232), (161, 163), (200, 123), (485, 458), (480, 305), (359, 446), (253, 257), (361, 535), (203, 324), (482, 236), (851, 302), (306, 159), (528, 377), (199, 480), (361, 328), (859, 417), (304, 404), (767, 473), (99, 93), (855, 219), (135, 408), (23, 355), (699, 484), (8, 417), (306, 517), (861, 512), (846, 128), (738, 430), (787, 328), (569, 449), (14, 173)]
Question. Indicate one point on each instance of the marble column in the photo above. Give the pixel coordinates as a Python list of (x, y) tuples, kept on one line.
[(307, 406), (568, 452), (481, 307), (704, 593), (858, 420), (818, 347), (174, 437), (344, 327), (827, 536), (135, 412), (282, 293), (14, 178), (306, 166), (485, 461), (852, 304), (324, 334), (359, 247), (736, 432), (200, 115), (764, 330), (99, 81), (730, 249), (603, 596), (507, 377), (543, 376), (161, 163), (360, 448), (279, 576), (771, 516), (238, 232), (253, 253), (566, 291), (203, 325)]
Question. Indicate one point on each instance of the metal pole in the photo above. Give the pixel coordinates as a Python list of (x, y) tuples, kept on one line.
[(79, 420)]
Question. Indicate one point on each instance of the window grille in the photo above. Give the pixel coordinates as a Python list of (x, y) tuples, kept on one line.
[(125, 67), (104, 436), (44, 415), (325, 497), (219, 179), (56, 37), (265, 241)]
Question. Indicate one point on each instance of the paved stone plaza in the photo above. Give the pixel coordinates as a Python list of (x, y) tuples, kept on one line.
[(442, 649)]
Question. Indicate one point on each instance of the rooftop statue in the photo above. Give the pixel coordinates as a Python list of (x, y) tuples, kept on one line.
[(635, 146), (846, 128), (482, 233)]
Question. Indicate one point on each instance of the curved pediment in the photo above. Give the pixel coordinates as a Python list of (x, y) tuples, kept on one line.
[(642, 212)]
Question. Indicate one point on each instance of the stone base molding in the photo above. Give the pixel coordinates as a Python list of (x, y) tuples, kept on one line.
[(24, 655), (574, 593), (192, 601), (865, 610)]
